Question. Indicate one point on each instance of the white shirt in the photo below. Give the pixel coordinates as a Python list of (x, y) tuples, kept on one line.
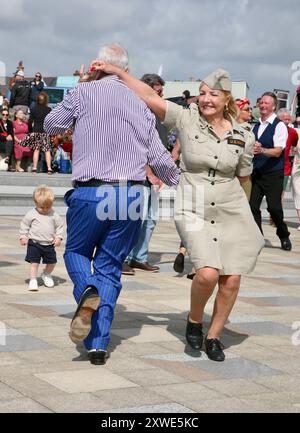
[(281, 132)]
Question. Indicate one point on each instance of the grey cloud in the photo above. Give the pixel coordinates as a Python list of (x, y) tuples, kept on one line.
[(256, 41)]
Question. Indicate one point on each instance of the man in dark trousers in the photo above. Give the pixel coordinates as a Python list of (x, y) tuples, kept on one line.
[(268, 167)]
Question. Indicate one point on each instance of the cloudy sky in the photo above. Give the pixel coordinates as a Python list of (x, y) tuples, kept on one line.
[(255, 40)]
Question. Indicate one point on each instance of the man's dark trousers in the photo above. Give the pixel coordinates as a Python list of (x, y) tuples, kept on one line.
[(269, 185)]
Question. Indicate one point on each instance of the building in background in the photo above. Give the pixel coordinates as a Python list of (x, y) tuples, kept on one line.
[(282, 98), (173, 89)]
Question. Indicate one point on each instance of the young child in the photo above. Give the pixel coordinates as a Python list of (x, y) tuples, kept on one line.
[(41, 230)]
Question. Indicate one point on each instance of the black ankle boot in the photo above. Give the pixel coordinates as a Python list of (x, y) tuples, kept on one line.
[(194, 334), (214, 351)]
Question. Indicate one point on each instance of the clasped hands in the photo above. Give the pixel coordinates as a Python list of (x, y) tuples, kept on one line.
[(96, 70), (257, 150)]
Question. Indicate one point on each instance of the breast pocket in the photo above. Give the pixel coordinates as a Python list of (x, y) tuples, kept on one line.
[(235, 150), (233, 154), (198, 143)]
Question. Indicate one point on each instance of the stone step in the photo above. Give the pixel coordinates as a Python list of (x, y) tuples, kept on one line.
[(16, 191), (34, 179), (22, 196), (22, 210)]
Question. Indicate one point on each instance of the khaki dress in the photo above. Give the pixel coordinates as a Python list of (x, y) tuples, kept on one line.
[(212, 214)]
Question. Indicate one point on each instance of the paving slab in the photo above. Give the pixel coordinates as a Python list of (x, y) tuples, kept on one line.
[(237, 367), (158, 408), (152, 376), (72, 403), (129, 397), (8, 393), (31, 386), (23, 342), (22, 405), (261, 328), (85, 380), (284, 382), (237, 387)]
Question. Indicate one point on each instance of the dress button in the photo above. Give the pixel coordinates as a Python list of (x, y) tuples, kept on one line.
[(212, 183), (196, 136), (216, 157), (212, 222), (237, 151), (215, 239), (213, 203), (218, 141)]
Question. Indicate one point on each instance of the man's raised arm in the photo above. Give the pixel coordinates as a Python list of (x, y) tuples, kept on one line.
[(64, 115)]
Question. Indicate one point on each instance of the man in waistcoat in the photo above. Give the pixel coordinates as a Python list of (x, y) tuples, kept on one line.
[(268, 167)]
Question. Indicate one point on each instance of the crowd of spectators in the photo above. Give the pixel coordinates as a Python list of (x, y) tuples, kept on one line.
[(24, 146)]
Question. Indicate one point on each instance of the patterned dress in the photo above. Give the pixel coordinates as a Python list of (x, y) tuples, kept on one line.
[(37, 141)]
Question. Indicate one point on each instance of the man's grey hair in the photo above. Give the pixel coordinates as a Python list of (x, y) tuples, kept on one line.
[(283, 111), (114, 54)]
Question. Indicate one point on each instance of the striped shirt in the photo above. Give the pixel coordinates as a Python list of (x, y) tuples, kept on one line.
[(114, 134)]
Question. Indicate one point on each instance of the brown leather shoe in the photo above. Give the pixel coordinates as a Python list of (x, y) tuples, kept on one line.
[(82, 321), (143, 266), (127, 270)]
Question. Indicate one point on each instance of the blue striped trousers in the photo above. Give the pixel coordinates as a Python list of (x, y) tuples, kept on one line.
[(103, 225)]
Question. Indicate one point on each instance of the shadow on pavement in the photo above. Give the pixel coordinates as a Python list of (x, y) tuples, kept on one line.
[(57, 280), (174, 323)]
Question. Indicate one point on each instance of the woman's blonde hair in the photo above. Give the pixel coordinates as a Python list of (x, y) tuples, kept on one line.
[(230, 108), (43, 196)]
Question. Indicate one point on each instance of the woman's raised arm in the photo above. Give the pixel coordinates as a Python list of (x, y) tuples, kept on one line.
[(156, 104)]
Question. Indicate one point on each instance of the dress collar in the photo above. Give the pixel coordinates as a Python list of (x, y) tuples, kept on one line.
[(236, 127)]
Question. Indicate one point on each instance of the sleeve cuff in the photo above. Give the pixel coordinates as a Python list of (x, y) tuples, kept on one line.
[(244, 171), (173, 113)]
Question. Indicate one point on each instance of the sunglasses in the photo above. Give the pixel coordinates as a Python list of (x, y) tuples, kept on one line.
[(38, 76), (4, 114)]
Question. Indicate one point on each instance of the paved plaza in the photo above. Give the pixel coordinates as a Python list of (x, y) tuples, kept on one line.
[(150, 368)]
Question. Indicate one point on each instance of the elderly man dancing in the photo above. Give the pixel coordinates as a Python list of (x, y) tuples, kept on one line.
[(114, 139)]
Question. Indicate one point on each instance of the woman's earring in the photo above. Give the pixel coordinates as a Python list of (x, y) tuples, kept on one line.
[(226, 107)]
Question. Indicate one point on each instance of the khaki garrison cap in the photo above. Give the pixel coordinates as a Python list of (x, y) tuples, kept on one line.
[(218, 80)]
